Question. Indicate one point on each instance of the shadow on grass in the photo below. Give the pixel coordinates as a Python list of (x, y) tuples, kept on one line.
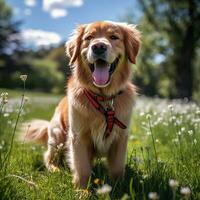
[(136, 184)]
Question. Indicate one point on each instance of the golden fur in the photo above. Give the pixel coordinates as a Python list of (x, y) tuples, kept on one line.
[(79, 126)]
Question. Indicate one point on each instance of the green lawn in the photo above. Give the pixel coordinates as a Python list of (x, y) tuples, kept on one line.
[(164, 145)]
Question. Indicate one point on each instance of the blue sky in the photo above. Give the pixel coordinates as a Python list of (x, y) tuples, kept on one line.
[(51, 21)]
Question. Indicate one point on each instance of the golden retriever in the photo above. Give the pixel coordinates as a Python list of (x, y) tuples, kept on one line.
[(93, 119)]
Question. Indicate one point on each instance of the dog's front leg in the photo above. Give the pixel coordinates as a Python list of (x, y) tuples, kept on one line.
[(80, 160), (117, 155)]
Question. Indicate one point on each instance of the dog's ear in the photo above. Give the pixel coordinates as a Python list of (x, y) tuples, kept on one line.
[(132, 41), (74, 43)]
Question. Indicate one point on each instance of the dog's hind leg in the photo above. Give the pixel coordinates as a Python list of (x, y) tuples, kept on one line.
[(56, 143)]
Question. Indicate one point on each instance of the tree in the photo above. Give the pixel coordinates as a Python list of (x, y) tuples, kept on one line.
[(179, 24), (8, 44), (9, 28)]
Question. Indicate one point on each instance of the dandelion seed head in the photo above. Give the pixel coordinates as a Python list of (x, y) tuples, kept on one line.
[(182, 129), (148, 116), (153, 195), (198, 112), (6, 114), (23, 77), (170, 107), (105, 189), (148, 133), (173, 183), (157, 141), (190, 132), (195, 141), (4, 97), (26, 99), (185, 191)]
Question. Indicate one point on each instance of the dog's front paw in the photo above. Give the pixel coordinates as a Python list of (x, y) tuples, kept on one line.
[(80, 181)]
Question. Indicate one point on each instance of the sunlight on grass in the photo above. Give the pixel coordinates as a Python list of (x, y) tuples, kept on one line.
[(162, 162)]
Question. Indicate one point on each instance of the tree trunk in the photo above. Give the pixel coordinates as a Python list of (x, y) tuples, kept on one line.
[(184, 68), (184, 72)]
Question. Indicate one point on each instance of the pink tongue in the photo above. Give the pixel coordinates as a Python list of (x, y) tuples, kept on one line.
[(101, 74)]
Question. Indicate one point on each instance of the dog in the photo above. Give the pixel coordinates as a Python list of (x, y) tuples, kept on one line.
[(93, 119)]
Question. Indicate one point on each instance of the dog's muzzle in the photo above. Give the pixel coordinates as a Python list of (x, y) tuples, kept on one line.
[(102, 71)]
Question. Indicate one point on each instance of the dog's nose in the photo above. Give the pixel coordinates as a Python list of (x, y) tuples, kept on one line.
[(99, 48)]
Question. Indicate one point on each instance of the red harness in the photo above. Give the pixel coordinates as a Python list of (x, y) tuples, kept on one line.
[(109, 112)]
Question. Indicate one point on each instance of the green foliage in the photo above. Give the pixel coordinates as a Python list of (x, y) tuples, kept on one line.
[(169, 56), (7, 26), (45, 72)]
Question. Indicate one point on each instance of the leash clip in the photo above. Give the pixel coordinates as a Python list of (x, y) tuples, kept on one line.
[(110, 105)]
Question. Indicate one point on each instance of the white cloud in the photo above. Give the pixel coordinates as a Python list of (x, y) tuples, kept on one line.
[(30, 3), (58, 6), (37, 37), (56, 13)]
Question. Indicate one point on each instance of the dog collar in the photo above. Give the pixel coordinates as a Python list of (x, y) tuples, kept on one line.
[(108, 112)]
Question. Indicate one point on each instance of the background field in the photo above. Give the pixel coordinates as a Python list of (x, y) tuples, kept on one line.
[(163, 145)]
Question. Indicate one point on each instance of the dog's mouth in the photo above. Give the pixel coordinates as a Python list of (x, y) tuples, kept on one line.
[(102, 71)]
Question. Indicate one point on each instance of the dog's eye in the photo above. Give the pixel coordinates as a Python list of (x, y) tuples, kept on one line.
[(89, 37), (114, 37)]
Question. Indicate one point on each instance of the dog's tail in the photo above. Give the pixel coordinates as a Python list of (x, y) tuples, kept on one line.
[(35, 130)]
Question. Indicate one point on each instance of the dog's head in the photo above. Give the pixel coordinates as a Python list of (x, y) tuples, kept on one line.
[(102, 52)]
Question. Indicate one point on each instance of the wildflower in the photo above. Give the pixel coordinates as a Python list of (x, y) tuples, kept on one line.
[(190, 132), (6, 114), (4, 97), (198, 112), (182, 129), (26, 98), (195, 141), (148, 133), (143, 123), (142, 114), (1, 147), (86, 191), (153, 195), (175, 140), (97, 181), (23, 77), (170, 107), (148, 116), (157, 141), (137, 160), (173, 118), (125, 197), (105, 189), (185, 191), (173, 183), (131, 137)]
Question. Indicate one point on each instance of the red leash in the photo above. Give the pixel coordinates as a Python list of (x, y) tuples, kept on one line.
[(109, 113)]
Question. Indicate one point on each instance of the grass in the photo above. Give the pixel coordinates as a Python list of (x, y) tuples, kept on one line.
[(164, 145)]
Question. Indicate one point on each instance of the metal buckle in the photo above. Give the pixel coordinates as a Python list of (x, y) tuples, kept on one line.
[(111, 104)]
